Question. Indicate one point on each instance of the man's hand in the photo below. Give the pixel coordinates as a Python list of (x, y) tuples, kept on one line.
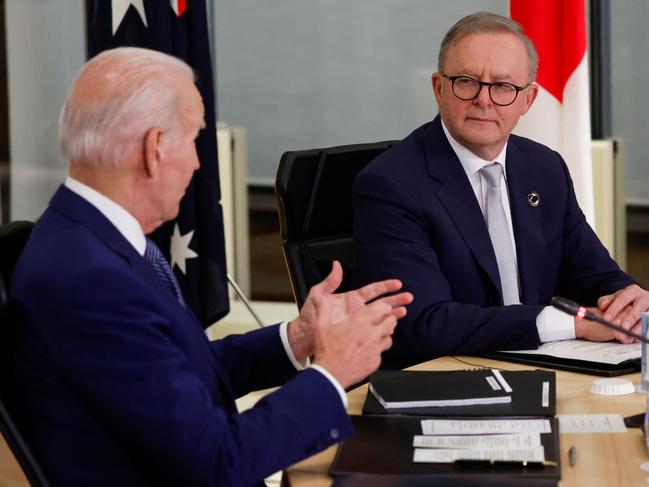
[(339, 307), (592, 331), (624, 308), (350, 350)]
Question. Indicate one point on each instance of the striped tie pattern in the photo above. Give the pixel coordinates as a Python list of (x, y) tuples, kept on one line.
[(153, 256)]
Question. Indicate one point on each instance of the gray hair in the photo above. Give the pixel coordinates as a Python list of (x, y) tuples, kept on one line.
[(481, 22), (115, 99)]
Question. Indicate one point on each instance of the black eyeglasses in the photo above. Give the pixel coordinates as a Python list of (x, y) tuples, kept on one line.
[(467, 88)]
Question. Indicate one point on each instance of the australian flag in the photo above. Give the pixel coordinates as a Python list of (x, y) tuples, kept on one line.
[(194, 242)]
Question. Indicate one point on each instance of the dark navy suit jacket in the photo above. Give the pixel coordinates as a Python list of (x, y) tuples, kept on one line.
[(117, 384), (416, 218)]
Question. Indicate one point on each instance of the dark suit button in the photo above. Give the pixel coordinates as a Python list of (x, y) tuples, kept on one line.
[(334, 433)]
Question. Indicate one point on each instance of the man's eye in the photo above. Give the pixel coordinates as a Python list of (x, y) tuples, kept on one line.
[(465, 81), (505, 87)]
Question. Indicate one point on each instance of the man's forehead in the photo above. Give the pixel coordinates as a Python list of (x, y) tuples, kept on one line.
[(489, 40), (192, 102), (500, 53)]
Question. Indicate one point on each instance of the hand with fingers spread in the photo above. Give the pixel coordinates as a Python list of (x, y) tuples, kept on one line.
[(340, 307), (350, 350)]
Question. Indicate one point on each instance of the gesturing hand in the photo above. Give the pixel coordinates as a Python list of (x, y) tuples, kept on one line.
[(339, 307)]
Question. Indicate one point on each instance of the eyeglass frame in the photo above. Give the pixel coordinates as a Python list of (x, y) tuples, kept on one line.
[(480, 85)]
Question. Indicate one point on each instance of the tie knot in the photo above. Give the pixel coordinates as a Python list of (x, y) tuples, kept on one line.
[(493, 173)]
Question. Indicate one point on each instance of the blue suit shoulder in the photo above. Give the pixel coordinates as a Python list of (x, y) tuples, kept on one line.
[(404, 157), (399, 168), (529, 146)]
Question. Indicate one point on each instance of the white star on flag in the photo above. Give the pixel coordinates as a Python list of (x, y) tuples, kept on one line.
[(179, 249), (120, 7)]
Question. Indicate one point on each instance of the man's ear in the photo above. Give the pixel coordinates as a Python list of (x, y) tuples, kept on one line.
[(436, 81), (152, 151), (531, 92)]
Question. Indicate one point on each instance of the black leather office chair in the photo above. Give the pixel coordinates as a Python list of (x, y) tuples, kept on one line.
[(13, 237), (314, 191)]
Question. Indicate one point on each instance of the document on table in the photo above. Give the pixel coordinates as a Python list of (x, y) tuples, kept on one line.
[(430, 455), (484, 426), (591, 423), (478, 442), (606, 352)]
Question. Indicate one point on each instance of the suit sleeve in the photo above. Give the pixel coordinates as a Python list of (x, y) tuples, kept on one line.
[(254, 360), (116, 351), (393, 239), (587, 270)]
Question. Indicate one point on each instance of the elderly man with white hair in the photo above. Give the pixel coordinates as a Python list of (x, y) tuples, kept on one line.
[(115, 382)]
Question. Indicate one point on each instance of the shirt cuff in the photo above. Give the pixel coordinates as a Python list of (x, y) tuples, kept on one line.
[(283, 334), (554, 325), (336, 384)]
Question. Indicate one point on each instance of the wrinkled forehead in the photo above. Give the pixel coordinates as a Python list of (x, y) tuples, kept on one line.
[(498, 54)]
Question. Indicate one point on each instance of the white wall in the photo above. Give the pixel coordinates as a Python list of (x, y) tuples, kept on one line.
[(296, 74), (630, 103), (45, 48), (303, 74)]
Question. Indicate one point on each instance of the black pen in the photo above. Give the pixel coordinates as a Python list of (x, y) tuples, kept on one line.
[(506, 463)]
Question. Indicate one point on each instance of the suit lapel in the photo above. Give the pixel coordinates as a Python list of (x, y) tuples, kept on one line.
[(457, 197), (526, 220), (78, 209)]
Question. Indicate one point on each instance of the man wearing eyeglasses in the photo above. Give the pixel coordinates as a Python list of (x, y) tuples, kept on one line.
[(482, 226)]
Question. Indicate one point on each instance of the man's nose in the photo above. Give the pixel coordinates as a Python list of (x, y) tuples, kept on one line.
[(484, 98)]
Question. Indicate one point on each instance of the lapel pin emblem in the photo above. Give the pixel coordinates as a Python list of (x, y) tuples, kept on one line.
[(533, 199)]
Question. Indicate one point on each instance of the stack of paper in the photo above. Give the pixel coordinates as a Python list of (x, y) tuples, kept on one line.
[(448, 440)]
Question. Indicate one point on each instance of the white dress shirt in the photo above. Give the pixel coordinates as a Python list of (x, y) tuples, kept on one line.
[(551, 323), (130, 228)]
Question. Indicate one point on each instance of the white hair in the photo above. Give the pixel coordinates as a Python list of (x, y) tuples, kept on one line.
[(115, 99)]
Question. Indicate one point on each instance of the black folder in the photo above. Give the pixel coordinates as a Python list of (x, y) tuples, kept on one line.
[(365, 480), (423, 389), (529, 398), (382, 445), (571, 365)]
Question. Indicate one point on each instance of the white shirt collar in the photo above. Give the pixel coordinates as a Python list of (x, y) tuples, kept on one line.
[(125, 223), (471, 162)]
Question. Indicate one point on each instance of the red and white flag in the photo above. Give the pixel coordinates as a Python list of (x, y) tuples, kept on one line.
[(560, 116)]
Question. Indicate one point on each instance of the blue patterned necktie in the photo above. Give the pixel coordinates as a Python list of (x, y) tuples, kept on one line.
[(153, 256)]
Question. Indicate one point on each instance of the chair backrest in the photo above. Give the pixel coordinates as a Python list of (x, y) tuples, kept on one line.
[(314, 192), (13, 237)]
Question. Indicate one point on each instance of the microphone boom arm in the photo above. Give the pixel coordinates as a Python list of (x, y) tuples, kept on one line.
[(574, 309)]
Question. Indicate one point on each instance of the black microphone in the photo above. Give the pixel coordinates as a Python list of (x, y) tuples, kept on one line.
[(574, 309)]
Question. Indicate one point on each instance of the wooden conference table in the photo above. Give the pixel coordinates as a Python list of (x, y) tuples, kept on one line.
[(603, 459)]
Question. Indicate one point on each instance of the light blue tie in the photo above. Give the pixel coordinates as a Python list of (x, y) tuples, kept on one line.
[(500, 235), (153, 256)]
